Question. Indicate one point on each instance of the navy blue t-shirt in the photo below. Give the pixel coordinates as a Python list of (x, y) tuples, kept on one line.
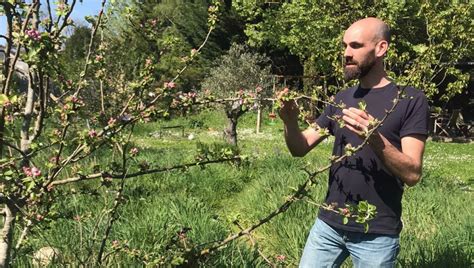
[(363, 176)]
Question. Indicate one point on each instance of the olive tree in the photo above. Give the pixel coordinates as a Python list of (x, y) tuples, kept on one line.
[(240, 73)]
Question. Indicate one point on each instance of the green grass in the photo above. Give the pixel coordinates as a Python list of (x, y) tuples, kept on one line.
[(437, 212)]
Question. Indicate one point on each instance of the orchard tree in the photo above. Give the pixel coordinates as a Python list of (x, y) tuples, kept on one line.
[(239, 73), (428, 37), (169, 33), (45, 139)]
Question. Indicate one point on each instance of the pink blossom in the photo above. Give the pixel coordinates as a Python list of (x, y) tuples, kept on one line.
[(92, 133), (99, 57), (33, 34), (115, 244), (134, 151), (259, 88), (111, 121), (36, 172), (281, 258), (61, 6), (57, 132), (153, 22), (77, 218), (193, 52), (50, 188), (148, 62), (27, 171), (39, 217), (241, 92), (9, 118), (170, 85)]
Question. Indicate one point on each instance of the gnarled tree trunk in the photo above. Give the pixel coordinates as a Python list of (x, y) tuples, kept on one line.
[(233, 113), (9, 214)]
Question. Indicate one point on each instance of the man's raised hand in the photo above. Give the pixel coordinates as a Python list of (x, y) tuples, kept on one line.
[(289, 110)]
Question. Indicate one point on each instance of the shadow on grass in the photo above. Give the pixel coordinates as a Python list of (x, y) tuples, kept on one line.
[(447, 257)]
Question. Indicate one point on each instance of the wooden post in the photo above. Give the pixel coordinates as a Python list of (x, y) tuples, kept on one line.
[(259, 117)]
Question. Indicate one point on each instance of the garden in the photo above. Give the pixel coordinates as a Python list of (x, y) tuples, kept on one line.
[(148, 135)]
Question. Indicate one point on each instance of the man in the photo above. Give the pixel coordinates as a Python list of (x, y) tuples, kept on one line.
[(378, 172)]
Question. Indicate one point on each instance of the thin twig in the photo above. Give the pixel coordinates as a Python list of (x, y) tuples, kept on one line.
[(144, 172), (252, 240)]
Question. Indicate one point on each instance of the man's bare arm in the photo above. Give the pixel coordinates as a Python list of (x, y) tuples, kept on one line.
[(405, 164), (299, 142)]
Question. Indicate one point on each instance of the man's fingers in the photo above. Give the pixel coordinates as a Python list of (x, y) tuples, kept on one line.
[(359, 112), (350, 114), (282, 93), (351, 121), (353, 129)]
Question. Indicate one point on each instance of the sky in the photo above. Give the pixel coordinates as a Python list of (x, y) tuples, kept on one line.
[(86, 8)]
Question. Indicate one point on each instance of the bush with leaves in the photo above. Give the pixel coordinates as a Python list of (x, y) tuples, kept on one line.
[(240, 74)]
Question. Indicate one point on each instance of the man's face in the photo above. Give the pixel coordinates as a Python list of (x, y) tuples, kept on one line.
[(359, 54)]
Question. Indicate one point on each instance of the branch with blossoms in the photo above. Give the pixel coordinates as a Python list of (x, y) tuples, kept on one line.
[(363, 213), (27, 186)]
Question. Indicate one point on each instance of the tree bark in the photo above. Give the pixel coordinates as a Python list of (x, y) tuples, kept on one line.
[(230, 132), (7, 236), (233, 113)]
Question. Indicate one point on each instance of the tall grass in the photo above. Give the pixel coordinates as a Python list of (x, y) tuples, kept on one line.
[(206, 203)]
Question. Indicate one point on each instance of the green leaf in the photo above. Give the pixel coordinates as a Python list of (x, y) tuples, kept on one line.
[(420, 48), (366, 227), (345, 220), (3, 99)]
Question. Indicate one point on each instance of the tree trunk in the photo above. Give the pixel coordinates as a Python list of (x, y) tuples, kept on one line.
[(7, 236), (230, 133), (233, 113)]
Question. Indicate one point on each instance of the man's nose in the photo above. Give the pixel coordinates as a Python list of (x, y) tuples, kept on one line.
[(348, 52)]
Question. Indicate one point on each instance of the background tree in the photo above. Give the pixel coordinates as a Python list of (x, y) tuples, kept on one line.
[(239, 73), (431, 35)]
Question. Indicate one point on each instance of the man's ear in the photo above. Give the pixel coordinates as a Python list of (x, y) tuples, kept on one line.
[(381, 48)]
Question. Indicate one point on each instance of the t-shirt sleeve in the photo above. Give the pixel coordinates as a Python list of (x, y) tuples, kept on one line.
[(324, 120), (416, 117)]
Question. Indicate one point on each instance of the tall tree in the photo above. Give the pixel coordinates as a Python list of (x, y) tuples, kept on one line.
[(428, 37)]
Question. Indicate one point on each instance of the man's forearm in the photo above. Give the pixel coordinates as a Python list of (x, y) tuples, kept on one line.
[(400, 164), (295, 140)]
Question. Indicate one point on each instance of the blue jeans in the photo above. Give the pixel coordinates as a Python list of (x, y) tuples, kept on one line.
[(329, 247)]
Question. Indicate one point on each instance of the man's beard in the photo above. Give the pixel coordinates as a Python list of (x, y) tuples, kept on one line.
[(356, 70)]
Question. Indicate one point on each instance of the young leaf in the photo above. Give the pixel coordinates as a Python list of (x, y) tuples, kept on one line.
[(345, 220)]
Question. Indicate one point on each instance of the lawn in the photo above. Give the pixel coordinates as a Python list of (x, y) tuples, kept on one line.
[(164, 214)]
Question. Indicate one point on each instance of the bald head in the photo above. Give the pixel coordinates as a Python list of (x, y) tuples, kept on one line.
[(365, 46), (371, 28)]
